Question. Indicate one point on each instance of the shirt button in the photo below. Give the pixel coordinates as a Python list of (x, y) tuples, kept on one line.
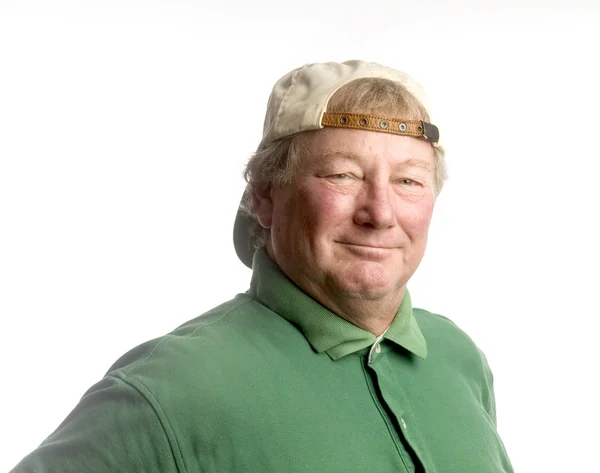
[(403, 423), (378, 349)]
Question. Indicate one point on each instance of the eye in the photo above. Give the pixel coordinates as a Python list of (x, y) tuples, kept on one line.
[(408, 185), (338, 177)]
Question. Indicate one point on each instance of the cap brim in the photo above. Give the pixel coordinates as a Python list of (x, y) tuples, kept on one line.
[(241, 238)]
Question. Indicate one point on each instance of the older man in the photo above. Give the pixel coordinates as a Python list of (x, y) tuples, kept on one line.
[(323, 365)]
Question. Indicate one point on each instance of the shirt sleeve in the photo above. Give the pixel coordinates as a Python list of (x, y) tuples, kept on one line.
[(489, 399), (116, 427)]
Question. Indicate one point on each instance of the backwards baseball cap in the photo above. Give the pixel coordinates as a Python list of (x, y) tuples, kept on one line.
[(298, 103)]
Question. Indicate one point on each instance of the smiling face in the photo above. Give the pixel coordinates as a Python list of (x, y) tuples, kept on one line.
[(354, 222)]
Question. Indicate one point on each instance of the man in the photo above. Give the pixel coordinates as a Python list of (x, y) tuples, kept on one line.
[(323, 365)]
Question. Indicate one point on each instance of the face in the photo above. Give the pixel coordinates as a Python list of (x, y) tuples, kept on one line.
[(354, 223)]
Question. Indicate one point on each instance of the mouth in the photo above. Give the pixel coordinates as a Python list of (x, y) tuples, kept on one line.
[(367, 246)]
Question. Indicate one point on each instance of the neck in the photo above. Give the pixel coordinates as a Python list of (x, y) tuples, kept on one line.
[(372, 315)]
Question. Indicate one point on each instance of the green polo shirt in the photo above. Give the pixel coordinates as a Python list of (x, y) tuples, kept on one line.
[(272, 381)]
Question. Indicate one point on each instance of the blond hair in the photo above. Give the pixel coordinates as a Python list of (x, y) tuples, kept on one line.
[(275, 165)]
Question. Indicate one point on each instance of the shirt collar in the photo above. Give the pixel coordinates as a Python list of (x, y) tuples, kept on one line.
[(324, 330)]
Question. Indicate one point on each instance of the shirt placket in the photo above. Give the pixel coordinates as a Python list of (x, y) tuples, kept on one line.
[(394, 423)]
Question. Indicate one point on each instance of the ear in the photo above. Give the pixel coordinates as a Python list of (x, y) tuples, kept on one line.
[(262, 204)]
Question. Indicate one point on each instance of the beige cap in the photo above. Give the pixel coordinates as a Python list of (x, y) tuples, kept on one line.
[(299, 98), (298, 103)]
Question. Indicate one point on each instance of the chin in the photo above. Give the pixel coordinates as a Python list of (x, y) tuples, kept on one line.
[(367, 292), (367, 282)]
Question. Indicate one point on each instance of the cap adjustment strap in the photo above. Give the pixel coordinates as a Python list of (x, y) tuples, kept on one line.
[(359, 121)]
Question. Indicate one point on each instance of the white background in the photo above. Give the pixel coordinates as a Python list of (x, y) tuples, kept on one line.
[(124, 127)]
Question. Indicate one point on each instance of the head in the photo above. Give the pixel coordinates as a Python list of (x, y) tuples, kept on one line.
[(346, 211)]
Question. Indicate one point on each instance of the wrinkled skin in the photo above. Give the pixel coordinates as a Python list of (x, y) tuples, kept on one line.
[(352, 228)]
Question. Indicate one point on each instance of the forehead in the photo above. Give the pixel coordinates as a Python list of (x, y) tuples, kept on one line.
[(367, 146)]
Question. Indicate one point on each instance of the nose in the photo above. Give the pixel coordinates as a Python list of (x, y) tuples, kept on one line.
[(375, 207)]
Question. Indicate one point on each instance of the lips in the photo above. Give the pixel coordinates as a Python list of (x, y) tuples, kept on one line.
[(369, 245)]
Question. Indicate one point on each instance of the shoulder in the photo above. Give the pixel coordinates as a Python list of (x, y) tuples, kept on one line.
[(452, 351), (439, 329), (447, 341), (221, 341)]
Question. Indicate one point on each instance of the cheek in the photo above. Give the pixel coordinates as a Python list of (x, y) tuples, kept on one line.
[(298, 215), (415, 220), (325, 207)]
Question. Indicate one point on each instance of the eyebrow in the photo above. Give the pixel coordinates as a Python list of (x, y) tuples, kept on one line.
[(418, 163), (349, 155)]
